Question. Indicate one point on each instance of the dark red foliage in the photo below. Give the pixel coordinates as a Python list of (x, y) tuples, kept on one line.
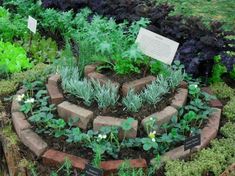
[(198, 44)]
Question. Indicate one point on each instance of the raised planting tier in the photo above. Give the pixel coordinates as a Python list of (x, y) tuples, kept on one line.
[(140, 138)]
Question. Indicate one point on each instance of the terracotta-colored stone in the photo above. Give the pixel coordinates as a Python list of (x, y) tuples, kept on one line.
[(89, 69), (54, 158), (207, 90), (21, 91), (68, 110), (54, 79), (15, 105), (161, 117), (112, 166), (230, 171), (207, 134), (56, 97), (33, 142), (101, 78), (102, 121), (20, 123), (214, 120), (176, 153), (180, 98), (137, 85), (183, 85), (216, 104)]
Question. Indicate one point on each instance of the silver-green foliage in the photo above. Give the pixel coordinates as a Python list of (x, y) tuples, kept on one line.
[(132, 101), (154, 92), (106, 95), (176, 77), (72, 84)]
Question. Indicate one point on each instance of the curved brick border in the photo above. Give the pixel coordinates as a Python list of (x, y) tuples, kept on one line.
[(53, 157)]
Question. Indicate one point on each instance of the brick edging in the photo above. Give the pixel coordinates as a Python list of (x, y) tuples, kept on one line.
[(40, 147)]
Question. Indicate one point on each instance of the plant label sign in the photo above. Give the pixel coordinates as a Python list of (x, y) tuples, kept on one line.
[(156, 46), (32, 24), (192, 142), (92, 171)]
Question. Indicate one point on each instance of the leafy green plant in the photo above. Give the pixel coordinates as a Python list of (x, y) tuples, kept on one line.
[(218, 70), (132, 101), (222, 90), (106, 95), (13, 58), (232, 73)]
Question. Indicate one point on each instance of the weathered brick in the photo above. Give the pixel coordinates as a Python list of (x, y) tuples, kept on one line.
[(176, 153), (161, 117), (90, 68), (20, 123), (54, 79), (33, 142), (56, 97), (183, 85), (101, 78), (214, 120), (15, 105), (101, 121), (180, 98), (207, 134), (55, 158), (112, 166), (21, 91), (207, 90), (216, 104), (137, 85), (68, 110)]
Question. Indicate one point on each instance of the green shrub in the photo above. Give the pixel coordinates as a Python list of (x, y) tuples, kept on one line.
[(232, 73), (228, 130), (215, 159), (132, 101), (13, 58), (229, 110), (222, 90)]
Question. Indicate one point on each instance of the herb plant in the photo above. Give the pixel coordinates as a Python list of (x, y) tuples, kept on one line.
[(132, 101)]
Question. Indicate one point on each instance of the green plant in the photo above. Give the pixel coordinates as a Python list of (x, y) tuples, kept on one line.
[(222, 90), (232, 73), (106, 95), (132, 101), (126, 170), (218, 70), (176, 76), (13, 58), (229, 110)]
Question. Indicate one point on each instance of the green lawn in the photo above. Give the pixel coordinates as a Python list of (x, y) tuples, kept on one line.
[(209, 10)]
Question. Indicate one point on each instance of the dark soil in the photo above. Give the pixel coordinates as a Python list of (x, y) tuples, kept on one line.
[(229, 81)]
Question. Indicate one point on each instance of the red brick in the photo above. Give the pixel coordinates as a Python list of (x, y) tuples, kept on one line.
[(20, 122), (176, 153), (68, 110), (214, 120), (33, 142), (207, 134), (101, 78), (180, 98), (56, 158), (137, 85), (216, 104), (183, 85), (112, 166), (207, 90), (15, 105), (161, 117), (89, 69), (101, 121), (54, 79), (56, 97)]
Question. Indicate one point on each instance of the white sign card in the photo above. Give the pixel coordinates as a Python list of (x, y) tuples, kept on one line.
[(32, 24), (156, 46)]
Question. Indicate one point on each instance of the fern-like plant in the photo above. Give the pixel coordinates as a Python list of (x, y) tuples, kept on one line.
[(132, 101)]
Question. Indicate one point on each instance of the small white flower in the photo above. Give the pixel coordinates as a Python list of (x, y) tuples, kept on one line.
[(100, 136), (104, 136), (151, 118), (20, 97), (30, 100), (154, 140)]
